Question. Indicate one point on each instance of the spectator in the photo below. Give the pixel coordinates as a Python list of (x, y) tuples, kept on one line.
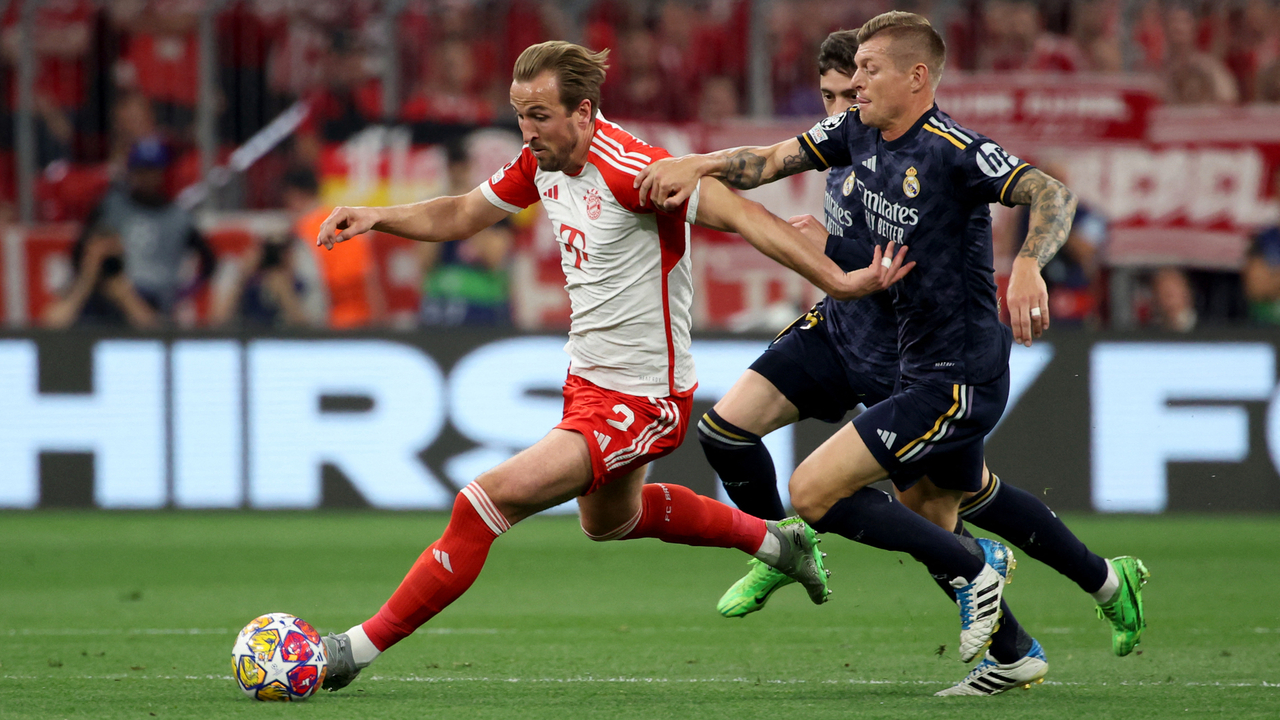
[(62, 41), (348, 273), (1174, 301), (156, 235), (161, 56), (466, 282), (448, 93), (351, 98), (100, 293), (264, 289), (643, 92), (1261, 277), (1269, 84), (718, 101), (133, 120), (1025, 44), (1096, 32), (1193, 77)]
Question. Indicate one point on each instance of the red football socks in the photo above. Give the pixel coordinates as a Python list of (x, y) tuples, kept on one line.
[(443, 572), (676, 514)]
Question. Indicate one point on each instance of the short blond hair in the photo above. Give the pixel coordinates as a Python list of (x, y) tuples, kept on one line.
[(579, 72), (920, 42)]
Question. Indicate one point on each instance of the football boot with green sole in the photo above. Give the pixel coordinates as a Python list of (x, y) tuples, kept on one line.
[(751, 592), (1124, 611)]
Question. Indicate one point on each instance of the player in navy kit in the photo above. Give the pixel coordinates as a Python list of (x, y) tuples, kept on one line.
[(793, 378)]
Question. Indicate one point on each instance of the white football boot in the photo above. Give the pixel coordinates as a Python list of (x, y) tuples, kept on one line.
[(990, 677)]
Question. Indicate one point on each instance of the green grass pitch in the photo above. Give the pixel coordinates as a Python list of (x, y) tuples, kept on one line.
[(133, 616)]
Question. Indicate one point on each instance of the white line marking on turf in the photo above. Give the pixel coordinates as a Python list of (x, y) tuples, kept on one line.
[(643, 680), (72, 632), (78, 632)]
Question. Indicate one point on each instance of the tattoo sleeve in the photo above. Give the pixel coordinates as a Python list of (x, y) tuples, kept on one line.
[(1053, 207), (745, 169)]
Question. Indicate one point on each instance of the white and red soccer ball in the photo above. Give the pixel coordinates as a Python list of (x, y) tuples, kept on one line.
[(278, 657)]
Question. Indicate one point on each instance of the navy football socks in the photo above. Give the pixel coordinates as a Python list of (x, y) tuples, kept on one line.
[(1029, 525), (874, 518), (744, 466)]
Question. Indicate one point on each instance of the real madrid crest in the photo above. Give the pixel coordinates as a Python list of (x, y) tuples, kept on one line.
[(911, 184), (849, 183)]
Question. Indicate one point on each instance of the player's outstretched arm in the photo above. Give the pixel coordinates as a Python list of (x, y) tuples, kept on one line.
[(436, 220), (720, 209), (669, 182), (1053, 207)]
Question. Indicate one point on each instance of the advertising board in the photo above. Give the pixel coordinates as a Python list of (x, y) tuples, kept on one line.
[(401, 421)]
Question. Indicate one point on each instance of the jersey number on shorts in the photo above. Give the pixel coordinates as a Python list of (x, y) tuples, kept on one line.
[(628, 417)]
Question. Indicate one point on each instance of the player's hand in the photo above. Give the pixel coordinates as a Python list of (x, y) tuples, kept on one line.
[(345, 223), (668, 182), (1028, 300), (887, 267), (812, 229)]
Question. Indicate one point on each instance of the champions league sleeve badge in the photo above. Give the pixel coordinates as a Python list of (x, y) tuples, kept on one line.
[(910, 184), (849, 183)]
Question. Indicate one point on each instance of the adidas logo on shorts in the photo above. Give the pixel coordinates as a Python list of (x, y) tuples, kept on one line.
[(887, 437)]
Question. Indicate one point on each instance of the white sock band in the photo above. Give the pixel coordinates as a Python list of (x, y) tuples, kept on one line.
[(486, 509), (362, 647), (770, 551), (619, 532), (1109, 587)]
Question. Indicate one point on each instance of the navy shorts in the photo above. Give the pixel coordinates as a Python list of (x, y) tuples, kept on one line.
[(936, 429), (802, 362)]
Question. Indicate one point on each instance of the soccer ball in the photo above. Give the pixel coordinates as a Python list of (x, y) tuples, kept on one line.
[(278, 657)]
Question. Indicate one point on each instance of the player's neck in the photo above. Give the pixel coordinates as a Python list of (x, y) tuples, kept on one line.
[(920, 105), (578, 159)]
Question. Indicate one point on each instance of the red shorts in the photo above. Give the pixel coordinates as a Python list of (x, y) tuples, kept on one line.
[(623, 431)]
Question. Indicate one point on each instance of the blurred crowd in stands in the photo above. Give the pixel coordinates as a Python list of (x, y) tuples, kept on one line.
[(116, 96)]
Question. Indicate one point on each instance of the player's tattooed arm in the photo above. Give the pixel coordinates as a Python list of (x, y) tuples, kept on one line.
[(667, 183), (1053, 206), (746, 168)]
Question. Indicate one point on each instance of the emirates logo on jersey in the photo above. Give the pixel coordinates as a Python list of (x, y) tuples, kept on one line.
[(593, 204)]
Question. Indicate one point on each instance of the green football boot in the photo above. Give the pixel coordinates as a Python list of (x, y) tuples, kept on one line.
[(800, 558), (1124, 611), (751, 592)]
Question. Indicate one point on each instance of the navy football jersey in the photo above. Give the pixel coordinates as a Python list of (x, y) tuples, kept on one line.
[(864, 330), (930, 190)]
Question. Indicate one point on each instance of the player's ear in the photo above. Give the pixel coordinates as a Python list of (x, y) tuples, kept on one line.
[(582, 115), (919, 77)]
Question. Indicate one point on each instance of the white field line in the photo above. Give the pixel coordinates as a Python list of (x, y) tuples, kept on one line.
[(640, 680), (79, 632)]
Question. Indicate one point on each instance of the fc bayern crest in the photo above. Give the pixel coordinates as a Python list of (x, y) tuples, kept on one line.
[(593, 204), (911, 184), (849, 183)]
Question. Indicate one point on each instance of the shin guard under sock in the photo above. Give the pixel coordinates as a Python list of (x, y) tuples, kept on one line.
[(443, 572), (874, 518), (1029, 525), (676, 514)]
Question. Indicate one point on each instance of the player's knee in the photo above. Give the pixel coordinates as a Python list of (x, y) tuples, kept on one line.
[(807, 497)]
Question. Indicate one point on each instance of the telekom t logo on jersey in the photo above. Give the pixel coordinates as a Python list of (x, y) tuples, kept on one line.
[(568, 234)]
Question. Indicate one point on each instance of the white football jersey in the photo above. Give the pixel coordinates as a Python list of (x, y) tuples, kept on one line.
[(626, 267)]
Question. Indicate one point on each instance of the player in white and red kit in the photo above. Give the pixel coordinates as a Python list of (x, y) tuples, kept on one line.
[(631, 377)]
